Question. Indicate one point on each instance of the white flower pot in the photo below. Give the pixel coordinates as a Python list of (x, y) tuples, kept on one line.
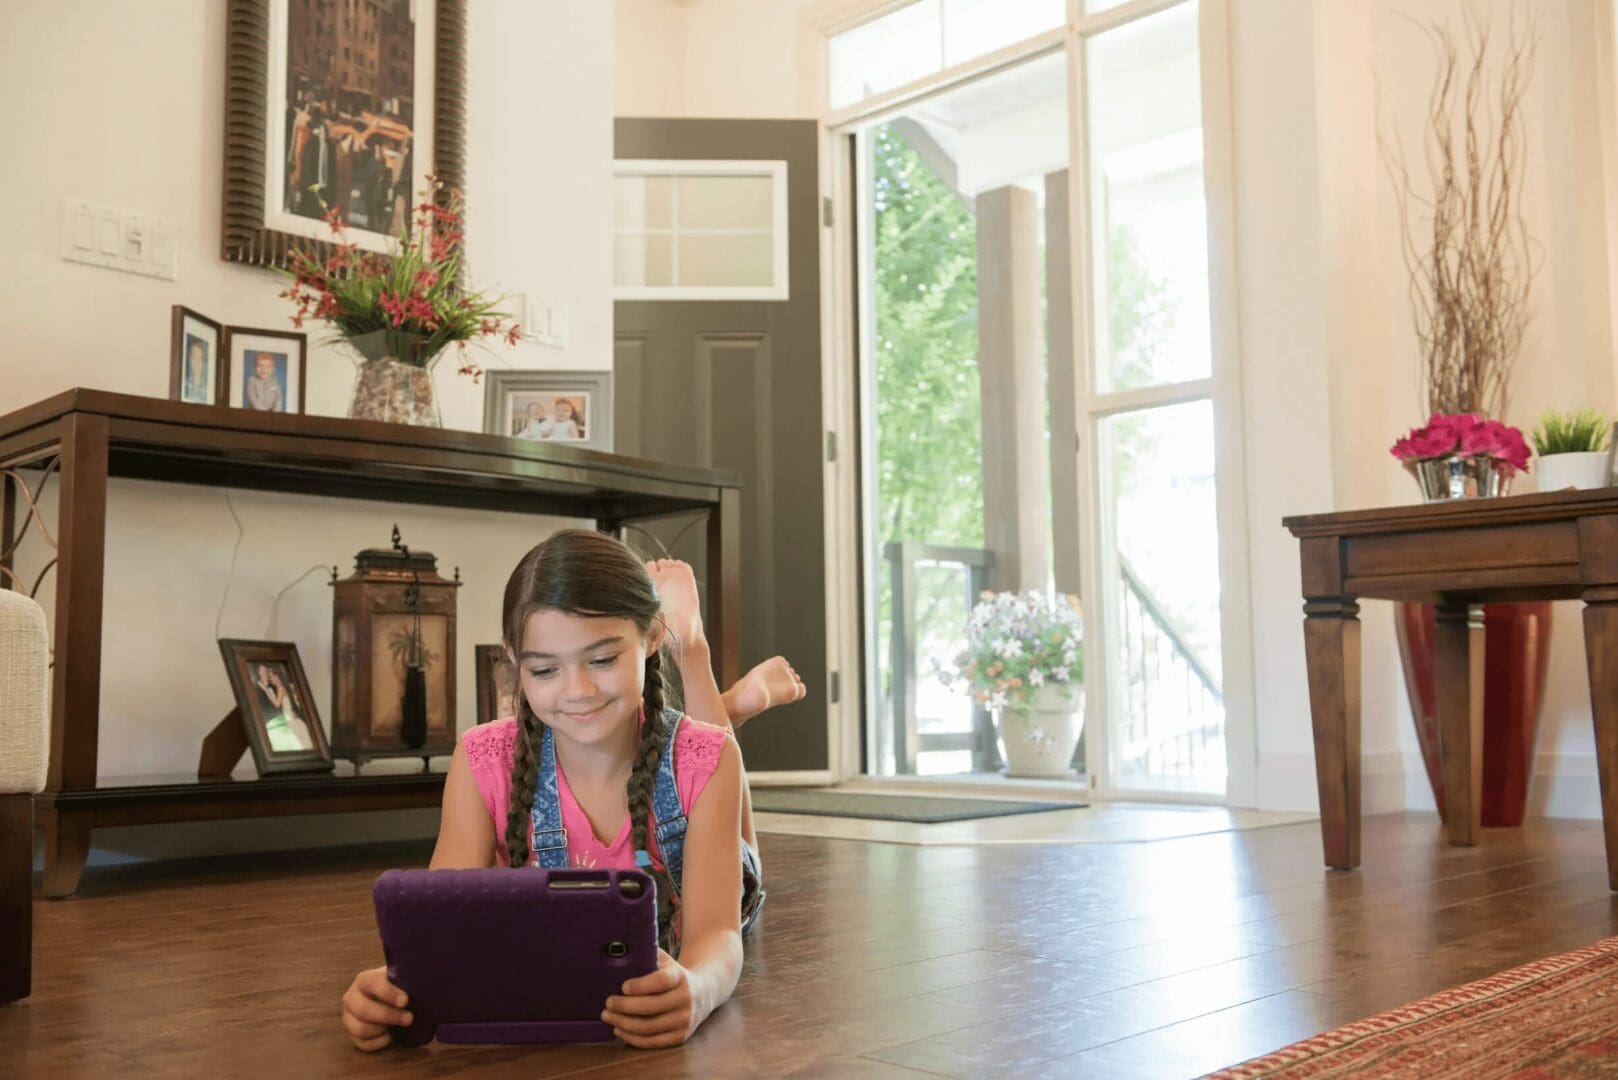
[(1039, 743), (1555, 472)]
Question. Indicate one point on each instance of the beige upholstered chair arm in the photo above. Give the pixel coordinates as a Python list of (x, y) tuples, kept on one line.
[(24, 675)]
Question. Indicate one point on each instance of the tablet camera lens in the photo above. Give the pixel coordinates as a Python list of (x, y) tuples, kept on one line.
[(617, 948)]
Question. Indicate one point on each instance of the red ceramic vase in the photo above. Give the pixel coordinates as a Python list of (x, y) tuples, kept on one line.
[(1517, 642)]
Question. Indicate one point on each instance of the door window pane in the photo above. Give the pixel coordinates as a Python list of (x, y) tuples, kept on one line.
[(898, 48), (950, 186), (700, 230), (1163, 632), (975, 28), (1149, 213), (726, 202), (644, 259)]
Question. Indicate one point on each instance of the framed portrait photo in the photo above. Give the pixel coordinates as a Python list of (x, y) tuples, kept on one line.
[(567, 408), (337, 107), (264, 369), (497, 683), (196, 359), (278, 711)]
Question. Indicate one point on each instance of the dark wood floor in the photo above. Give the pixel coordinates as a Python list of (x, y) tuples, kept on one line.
[(873, 960)]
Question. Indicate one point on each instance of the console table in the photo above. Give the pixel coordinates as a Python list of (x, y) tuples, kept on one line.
[(1456, 555), (83, 437)]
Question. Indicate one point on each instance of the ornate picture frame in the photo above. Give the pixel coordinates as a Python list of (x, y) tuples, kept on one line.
[(429, 130), (277, 708)]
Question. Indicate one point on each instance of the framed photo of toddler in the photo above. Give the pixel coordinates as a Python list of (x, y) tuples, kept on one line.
[(278, 711), (196, 358), (497, 683), (264, 369), (563, 408)]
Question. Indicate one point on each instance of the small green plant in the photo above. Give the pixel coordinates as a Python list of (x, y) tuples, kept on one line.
[(1571, 433)]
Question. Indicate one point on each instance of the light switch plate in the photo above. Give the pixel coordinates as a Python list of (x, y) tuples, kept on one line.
[(124, 240), (547, 323)]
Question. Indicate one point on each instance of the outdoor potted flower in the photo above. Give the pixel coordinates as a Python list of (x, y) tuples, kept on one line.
[(1023, 661), (398, 313), (1462, 455), (1572, 449)]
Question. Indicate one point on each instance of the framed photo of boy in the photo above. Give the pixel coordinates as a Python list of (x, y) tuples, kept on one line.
[(567, 408), (196, 358), (278, 711), (338, 108), (264, 369), (497, 683)]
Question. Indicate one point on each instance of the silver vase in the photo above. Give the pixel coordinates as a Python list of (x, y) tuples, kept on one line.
[(1457, 477)]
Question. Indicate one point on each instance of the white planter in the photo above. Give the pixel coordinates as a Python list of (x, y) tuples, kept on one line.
[(1039, 743), (1555, 472)]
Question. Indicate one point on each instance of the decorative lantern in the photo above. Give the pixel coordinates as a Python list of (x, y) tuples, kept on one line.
[(393, 657)]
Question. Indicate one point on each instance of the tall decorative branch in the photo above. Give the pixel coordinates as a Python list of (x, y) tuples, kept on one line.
[(1470, 280)]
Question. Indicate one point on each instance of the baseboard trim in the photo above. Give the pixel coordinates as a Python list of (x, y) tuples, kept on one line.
[(1287, 782), (1565, 786), (791, 778)]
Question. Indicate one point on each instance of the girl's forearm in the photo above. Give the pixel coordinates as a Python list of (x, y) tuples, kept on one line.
[(713, 964)]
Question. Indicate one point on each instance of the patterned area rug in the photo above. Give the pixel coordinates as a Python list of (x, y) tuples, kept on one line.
[(1552, 1018)]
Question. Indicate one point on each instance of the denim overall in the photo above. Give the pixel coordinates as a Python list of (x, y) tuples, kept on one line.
[(668, 817)]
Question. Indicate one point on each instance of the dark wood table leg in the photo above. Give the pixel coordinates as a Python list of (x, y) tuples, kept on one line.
[(1331, 638), (723, 620), (67, 846), (1601, 655), (76, 656), (16, 896), (1458, 671)]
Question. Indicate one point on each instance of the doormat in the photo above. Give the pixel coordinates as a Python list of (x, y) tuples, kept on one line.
[(923, 809)]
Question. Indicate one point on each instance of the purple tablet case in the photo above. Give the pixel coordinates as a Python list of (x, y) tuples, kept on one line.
[(513, 956)]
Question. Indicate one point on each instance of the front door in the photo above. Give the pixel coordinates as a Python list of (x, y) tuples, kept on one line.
[(717, 363)]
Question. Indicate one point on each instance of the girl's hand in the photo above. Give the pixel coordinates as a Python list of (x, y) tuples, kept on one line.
[(372, 1005), (655, 1010)]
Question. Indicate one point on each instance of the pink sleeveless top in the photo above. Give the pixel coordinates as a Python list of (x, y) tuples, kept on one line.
[(489, 751)]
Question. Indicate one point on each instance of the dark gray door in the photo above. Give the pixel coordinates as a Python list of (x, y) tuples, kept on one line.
[(735, 385)]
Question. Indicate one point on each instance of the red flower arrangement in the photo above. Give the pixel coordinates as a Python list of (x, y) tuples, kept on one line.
[(410, 302), (1463, 435)]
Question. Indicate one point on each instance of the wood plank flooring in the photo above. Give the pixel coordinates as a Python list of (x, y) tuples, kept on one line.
[(873, 960)]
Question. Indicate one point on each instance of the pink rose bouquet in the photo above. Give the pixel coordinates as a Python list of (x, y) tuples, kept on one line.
[(1464, 435)]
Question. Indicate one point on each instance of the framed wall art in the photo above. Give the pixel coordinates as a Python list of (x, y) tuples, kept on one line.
[(338, 107)]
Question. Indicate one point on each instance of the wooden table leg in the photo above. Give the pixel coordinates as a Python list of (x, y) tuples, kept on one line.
[(16, 896), (1601, 654), (1331, 638), (76, 652), (67, 846), (1458, 671), (723, 620)]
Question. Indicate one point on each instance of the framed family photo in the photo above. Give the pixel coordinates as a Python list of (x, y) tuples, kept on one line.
[(337, 107), (568, 408), (497, 683), (283, 728), (265, 369), (196, 359)]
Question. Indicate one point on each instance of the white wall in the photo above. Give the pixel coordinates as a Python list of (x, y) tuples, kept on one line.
[(145, 135), (726, 58)]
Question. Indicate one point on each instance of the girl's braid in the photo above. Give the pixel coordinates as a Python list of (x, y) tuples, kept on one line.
[(524, 775), (642, 781)]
